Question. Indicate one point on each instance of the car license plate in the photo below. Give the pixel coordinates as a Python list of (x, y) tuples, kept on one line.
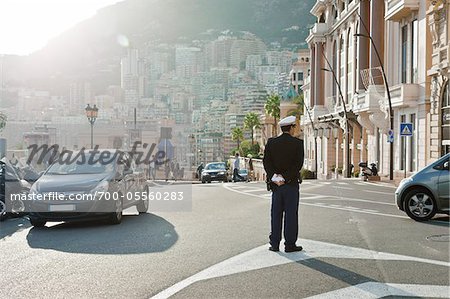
[(61, 208)]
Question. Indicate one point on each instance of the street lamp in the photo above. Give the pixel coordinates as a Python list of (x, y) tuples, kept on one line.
[(347, 127), (391, 112), (91, 114), (315, 139)]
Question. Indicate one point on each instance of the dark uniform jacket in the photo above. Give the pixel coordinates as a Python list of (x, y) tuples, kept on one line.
[(284, 155)]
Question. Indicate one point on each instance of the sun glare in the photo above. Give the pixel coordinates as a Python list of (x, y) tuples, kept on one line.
[(27, 25)]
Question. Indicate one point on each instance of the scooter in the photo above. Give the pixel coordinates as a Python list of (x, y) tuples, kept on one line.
[(368, 171)]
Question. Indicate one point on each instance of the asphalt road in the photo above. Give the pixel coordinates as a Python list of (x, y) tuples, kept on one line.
[(356, 244)]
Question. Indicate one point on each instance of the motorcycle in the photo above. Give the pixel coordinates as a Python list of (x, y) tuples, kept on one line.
[(367, 171)]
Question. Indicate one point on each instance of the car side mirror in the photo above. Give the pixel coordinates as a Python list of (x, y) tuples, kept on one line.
[(445, 166)]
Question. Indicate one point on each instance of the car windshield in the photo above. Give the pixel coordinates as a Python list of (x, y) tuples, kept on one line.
[(81, 166), (215, 166)]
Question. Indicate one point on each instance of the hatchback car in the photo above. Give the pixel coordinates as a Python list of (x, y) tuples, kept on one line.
[(216, 171), (88, 188), (426, 193)]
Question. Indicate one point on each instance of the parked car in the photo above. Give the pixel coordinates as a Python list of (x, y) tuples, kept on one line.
[(244, 176), (426, 193), (117, 180), (11, 182), (216, 171)]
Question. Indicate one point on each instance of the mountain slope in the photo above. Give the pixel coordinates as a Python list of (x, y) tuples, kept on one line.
[(90, 49)]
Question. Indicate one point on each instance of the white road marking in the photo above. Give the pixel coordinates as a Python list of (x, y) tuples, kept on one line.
[(369, 290), (322, 205), (344, 188), (330, 197), (379, 192), (382, 184), (261, 257)]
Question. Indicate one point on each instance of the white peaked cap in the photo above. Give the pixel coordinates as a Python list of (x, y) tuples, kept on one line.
[(287, 121)]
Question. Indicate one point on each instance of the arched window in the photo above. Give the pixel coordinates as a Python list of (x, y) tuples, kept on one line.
[(335, 57), (322, 18), (355, 55), (349, 65), (342, 63), (334, 12), (445, 114)]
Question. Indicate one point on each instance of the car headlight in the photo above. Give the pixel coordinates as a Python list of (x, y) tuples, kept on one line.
[(222, 172), (102, 187)]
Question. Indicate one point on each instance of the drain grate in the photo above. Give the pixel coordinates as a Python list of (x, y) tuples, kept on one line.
[(439, 238)]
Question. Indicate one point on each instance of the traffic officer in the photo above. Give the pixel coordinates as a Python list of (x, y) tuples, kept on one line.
[(283, 159)]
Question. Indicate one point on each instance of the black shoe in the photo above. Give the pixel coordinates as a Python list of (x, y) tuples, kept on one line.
[(275, 249), (294, 248)]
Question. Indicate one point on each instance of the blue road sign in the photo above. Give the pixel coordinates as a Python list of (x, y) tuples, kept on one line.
[(391, 136), (406, 129)]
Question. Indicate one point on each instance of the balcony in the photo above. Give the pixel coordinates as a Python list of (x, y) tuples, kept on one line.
[(318, 31), (369, 101), (405, 95), (398, 9)]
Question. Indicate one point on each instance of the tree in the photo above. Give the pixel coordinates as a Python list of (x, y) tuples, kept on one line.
[(299, 101), (251, 121), (272, 108), (237, 135)]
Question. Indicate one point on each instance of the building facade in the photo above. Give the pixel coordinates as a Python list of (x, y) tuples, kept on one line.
[(353, 46)]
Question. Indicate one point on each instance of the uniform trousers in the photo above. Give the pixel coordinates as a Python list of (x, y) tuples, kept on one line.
[(285, 200)]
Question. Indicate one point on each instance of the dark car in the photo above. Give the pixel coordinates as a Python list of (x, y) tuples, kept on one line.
[(11, 183), (427, 192), (243, 176), (88, 189), (216, 171)]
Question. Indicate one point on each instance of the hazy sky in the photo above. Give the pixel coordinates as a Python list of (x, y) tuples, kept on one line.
[(27, 25)]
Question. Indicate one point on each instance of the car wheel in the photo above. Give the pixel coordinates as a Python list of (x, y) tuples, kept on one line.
[(142, 205), (116, 217), (209, 182), (37, 222), (203, 181), (420, 205)]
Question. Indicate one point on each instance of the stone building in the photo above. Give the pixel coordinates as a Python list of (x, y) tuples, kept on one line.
[(352, 44)]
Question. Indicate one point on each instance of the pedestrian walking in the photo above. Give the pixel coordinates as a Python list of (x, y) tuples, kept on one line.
[(236, 175), (283, 159), (152, 168)]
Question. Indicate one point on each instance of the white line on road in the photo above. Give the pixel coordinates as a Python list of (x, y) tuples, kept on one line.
[(330, 197), (322, 206), (260, 258), (344, 188), (379, 192)]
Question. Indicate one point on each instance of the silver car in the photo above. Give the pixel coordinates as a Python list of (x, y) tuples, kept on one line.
[(427, 192)]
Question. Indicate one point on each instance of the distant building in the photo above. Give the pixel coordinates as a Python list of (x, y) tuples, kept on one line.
[(187, 61)]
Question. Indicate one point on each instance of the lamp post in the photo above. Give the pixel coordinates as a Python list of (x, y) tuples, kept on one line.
[(91, 114), (315, 139), (391, 112), (347, 127)]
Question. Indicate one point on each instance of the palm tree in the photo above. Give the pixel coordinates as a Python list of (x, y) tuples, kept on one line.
[(272, 108), (237, 135), (251, 121)]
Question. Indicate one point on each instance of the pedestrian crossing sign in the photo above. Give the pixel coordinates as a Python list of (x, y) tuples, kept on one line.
[(406, 129)]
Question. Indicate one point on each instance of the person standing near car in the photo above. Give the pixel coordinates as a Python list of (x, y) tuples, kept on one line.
[(283, 159), (236, 166)]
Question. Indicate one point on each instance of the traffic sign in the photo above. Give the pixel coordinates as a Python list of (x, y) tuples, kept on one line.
[(391, 136), (406, 129)]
